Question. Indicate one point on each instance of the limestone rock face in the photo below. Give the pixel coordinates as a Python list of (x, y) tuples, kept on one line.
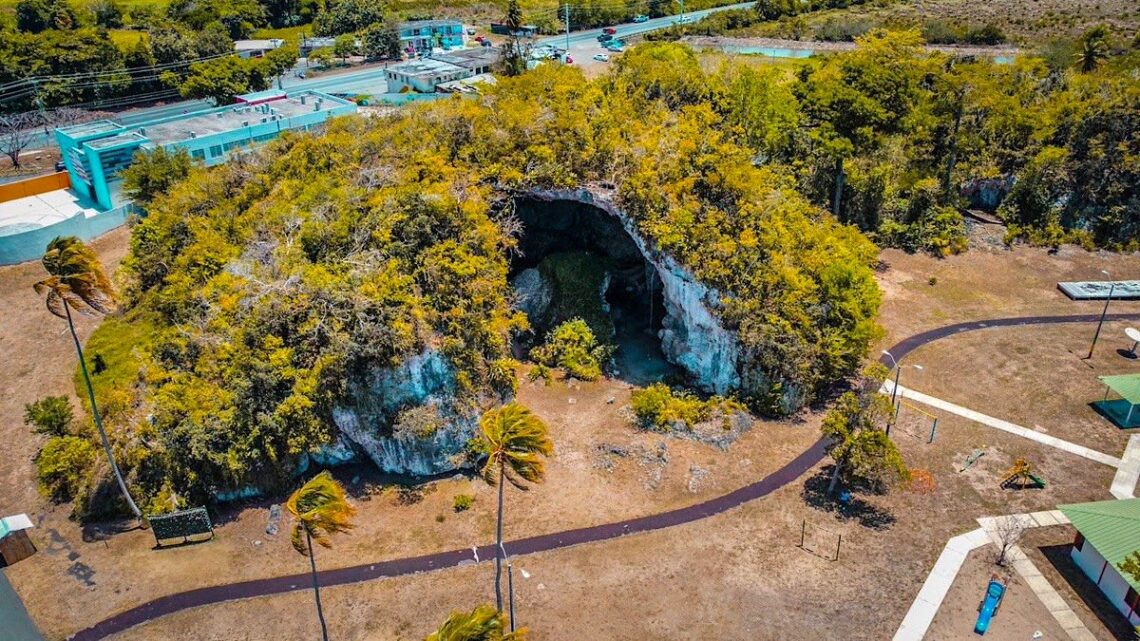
[(534, 293), (692, 337), (426, 379)]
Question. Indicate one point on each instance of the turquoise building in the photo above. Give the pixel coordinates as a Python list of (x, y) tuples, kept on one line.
[(424, 35), (96, 152)]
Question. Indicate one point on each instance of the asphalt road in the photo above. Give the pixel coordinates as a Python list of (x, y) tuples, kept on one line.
[(397, 567), (15, 624), (634, 28)]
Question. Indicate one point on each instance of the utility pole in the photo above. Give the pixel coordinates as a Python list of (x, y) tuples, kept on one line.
[(567, 28), (1103, 313), (682, 11)]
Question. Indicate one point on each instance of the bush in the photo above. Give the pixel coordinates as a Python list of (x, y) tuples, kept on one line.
[(62, 466), (50, 415), (660, 409), (572, 347), (462, 502)]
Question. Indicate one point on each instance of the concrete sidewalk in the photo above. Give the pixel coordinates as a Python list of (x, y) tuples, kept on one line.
[(938, 583), (1006, 426), (1128, 475)]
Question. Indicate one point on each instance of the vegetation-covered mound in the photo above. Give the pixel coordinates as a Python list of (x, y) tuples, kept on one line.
[(275, 282)]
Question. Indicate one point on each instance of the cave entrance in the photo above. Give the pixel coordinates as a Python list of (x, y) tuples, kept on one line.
[(576, 260)]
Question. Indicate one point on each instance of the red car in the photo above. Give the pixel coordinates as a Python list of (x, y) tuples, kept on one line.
[(609, 30), (569, 59)]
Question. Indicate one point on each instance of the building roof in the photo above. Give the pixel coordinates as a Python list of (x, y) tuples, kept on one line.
[(1112, 527), (425, 68), (470, 58), (15, 523), (420, 24), (257, 45), (1126, 385)]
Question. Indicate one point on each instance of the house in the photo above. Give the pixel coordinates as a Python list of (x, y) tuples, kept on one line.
[(14, 542), (428, 74), (256, 48), (1107, 532), (425, 35), (95, 153)]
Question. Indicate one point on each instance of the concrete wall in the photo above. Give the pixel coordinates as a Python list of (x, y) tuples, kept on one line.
[(1106, 576), (33, 186), (30, 245)]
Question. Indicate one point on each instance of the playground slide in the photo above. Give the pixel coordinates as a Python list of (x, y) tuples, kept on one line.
[(989, 606)]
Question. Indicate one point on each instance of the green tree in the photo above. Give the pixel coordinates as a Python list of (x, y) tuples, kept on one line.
[(322, 57), (108, 13), (1094, 48), (1131, 565), (858, 442), (484, 623), (382, 40), (319, 510), (76, 279), (513, 61), (220, 80), (49, 415), (348, 16), (34, 16), (280, 60), (344, 46), (515, 442), (572, 346), (153, 172)]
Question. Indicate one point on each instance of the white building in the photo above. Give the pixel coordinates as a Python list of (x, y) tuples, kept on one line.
[(1107, 532), (256, 48)]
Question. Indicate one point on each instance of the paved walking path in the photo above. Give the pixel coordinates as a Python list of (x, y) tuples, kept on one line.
[(1128, 475), (1006, 426), (172, 603), (937, 584)]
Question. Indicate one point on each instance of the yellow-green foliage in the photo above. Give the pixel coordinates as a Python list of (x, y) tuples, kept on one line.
[(279, 280), (63, 465), (661, 409), (572, 347)]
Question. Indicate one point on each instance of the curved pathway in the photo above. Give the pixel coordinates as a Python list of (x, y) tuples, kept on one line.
[(396, 567)]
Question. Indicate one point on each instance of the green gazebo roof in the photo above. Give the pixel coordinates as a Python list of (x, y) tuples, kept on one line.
[(1126, 385), (1112, 527)]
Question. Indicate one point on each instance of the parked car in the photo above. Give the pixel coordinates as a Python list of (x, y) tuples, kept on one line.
[(470, 31), (605, 37), (601, 57), (569, 59), (614, 45), (609, 30), (486, 43), (683, 20), (641, 18), (479, 38)]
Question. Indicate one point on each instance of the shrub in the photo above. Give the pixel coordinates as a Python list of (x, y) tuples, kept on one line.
[(572, 347), (462, 502), (50, 415), (660, 409), (62, 466)]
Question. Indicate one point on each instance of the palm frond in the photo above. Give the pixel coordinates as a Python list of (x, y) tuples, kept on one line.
[(75, 277), (481, 624), (320, 509), (518, 440)]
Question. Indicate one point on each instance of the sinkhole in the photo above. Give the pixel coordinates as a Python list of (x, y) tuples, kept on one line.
[(576, 260)]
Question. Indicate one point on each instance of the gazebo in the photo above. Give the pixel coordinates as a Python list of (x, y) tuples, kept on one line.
[(1121, 411)]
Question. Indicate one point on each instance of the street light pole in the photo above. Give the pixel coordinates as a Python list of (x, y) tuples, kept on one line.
[(898, 370), (567, 28), (511, 593), (1103, 312)]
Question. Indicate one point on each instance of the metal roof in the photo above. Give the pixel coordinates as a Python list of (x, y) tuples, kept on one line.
[(1112, 527), (1127, 385)]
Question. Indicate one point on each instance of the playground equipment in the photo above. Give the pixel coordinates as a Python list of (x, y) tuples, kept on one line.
[(988, 608), (820, 541), (915, 421), (1021, 476)]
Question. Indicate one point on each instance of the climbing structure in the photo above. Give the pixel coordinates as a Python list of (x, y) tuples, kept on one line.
[(1021, 476)]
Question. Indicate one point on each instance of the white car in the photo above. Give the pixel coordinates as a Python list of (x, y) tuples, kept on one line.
[(602, 57), (683, 20)]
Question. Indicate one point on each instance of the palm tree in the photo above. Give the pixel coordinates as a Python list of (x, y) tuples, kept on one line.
[(514, 440), (76, 280), (1094, 48), (320, 509), (483, 623)]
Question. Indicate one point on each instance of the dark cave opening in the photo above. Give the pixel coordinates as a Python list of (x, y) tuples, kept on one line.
[(564, 247)]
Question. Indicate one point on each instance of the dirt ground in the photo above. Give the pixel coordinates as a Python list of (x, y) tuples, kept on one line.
[(739, 574), (1021, 613)]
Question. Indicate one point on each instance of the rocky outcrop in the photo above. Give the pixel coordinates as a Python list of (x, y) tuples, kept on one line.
[(368, 422), (692, 336)]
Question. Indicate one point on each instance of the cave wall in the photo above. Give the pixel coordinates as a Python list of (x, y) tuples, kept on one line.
[(692, 337)]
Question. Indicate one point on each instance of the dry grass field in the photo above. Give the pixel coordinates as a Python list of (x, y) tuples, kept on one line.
[(739, 573)]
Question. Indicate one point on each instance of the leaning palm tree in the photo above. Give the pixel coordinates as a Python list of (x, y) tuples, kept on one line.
[(483, 623), (320, 509), (77, 281), (515, 440), (1094, 48)]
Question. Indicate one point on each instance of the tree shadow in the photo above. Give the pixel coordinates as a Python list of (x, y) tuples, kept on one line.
[(1113, 620), (857, 509)]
